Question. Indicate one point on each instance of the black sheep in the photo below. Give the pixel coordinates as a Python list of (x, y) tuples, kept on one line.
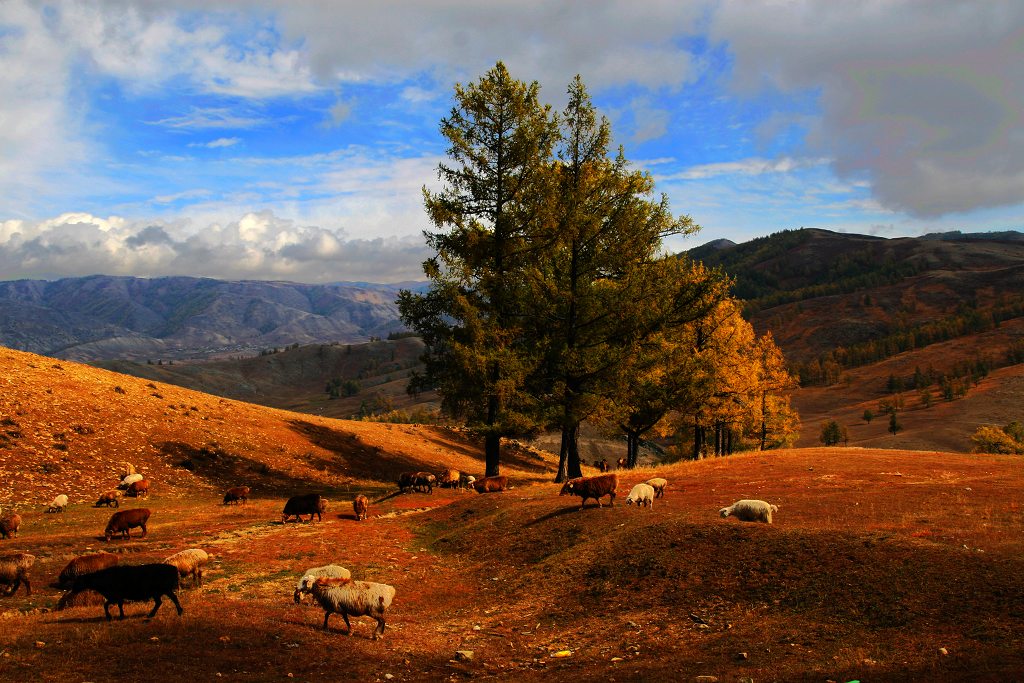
[(131, 582)]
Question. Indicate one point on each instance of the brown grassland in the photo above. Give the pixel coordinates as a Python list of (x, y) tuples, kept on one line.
[(881, 565)]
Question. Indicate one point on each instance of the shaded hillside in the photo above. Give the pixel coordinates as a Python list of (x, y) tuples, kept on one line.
[(104, 317), (333, 380), (69, 428)]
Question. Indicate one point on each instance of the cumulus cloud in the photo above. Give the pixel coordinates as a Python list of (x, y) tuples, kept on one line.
[(923, 99), (218, 143), (258, 246)]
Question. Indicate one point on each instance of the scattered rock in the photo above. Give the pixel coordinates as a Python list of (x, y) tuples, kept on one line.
[(463, 655), (943, 651), (742, 655), (707, 679), (562, 653), (40, 645)]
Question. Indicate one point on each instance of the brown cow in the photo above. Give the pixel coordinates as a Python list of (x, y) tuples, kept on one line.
[(139, 489), (592, 487), (359, 505), (124, 520), (238, 494), (110, 499), (491, 484)]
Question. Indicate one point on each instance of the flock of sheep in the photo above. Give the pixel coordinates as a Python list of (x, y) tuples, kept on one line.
[(89, 577)]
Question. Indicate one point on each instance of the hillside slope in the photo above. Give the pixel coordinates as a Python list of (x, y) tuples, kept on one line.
[(69, 428)]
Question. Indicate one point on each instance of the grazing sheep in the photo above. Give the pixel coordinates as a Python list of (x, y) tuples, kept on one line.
[(14, 572), (129, 480), (109, 498), (491, 484), (120, 522), (359, 505), (466, 480), (9, 525), (328, 571), (424, 482), (236, 495), (659, 485), (122, 583), (84, 564), (306, 504), (138, 489), (351, 599), (641, 494), (449, 479), (750, 511), (86, 598), (129, 470), (592, 487), (59, 504), (189, 561)]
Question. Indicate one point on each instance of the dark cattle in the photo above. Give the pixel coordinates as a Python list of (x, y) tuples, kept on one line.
[(139, 489), (110, 498), (359, 506), (602, 465), (123, 583), (236, 495), (621, 463), (9, 525), (307, 504), (491, 484), (82, 565), (406, 480), (124, 520), (424, 482), (592, 487)]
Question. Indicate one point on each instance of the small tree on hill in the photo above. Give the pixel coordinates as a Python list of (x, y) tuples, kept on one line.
[(831, 433), (894, 423)]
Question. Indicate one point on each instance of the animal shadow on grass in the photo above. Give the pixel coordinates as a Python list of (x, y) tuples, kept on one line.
[(574, 509)]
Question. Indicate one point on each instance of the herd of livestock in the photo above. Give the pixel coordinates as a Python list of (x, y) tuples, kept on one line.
[(98, 578)]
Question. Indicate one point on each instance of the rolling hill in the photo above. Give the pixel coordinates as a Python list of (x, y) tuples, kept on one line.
[(881, 564)]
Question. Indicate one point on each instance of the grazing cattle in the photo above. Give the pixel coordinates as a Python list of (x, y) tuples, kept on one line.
[(122, 583), (9, 525), (592, 487), (406, 480), (139, 489), (109, 498), (449, 478), (306, 504), (491, 484), (424, 482), (123, 520), (236, 495), (359, 505), (621, 463)]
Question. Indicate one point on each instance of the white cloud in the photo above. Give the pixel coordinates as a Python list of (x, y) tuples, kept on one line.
[(218, 143), (256, 246), (751, 166), (924, 99)]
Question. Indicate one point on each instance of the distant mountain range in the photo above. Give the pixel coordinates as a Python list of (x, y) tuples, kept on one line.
[(105, 317)]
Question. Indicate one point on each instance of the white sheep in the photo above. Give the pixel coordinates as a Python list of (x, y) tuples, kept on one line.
[(750, 511), (190, 561), (466, 480), (329, 571), (59, 504), (659, 485), (640, 495), (129, 480), (351, 599)]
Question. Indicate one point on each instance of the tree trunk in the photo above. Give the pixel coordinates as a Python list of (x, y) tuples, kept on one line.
[(632, 448), (492, 454), (569, 453), (698, 439)]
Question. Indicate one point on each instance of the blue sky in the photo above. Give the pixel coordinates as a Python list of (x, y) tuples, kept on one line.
[(290, 140)]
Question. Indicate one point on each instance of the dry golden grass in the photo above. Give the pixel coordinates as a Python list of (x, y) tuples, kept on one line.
[(877, 558)]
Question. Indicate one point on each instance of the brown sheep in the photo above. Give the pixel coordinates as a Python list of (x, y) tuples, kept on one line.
[(109, 498), (139, 489), (491, 484), (9, 525), (86, 598), (592, 487), (83, 564), (359, 505), (449, 478), (14, 572), (124, 520), (236, 495)]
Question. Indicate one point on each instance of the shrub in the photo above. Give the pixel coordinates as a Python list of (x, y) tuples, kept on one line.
[(992, 439)]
